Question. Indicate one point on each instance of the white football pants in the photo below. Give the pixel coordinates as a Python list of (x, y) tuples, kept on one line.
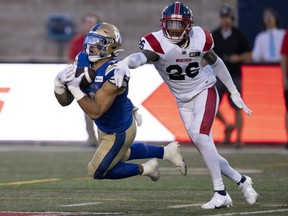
[(198, 115)]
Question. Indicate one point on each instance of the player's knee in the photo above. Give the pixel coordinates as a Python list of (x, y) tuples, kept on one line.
[(92, 171), (199, 138)]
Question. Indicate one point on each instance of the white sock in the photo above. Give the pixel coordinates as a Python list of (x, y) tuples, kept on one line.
[(218, 185), (228, 171), (209, 153)]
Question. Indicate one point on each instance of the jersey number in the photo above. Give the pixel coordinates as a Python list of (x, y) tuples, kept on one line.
[(191, 70), (141, 44)]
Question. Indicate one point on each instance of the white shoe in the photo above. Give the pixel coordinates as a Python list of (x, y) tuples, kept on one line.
[(248, 191), (150, 168), (218, 201), (172, 153)]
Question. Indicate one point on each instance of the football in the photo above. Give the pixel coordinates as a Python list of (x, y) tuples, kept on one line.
[(88, 78)]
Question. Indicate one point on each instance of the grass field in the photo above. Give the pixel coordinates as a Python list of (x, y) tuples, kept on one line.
[(45, 180)]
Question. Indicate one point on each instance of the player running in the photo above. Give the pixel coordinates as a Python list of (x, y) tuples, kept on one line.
[(184, 57), (113, 112)]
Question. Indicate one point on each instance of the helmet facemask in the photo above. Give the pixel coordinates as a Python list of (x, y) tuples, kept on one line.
[(176, 22), (176, 29), (103, 41), (96, 46)]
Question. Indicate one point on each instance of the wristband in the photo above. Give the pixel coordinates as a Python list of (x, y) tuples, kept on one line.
[(77, 93)]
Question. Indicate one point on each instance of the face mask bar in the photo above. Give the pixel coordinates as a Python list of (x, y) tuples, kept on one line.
[(95, 41), (175, 29)]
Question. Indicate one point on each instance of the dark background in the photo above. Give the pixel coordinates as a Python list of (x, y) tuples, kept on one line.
[(250, 15)]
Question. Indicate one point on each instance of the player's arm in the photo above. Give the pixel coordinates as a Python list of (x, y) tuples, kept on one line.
[(223, 74), (62, 94), (133, 61), (65, 98), (104, 98), (97, 106)]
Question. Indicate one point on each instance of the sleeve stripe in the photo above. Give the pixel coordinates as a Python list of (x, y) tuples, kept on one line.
[(154, 43), (109, 69), (208, 40)]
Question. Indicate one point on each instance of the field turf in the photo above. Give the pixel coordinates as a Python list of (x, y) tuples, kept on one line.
[(51, 180)]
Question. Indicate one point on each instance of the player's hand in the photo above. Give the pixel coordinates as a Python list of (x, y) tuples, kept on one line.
[(75, 82), (237, 100), (74, 88), (121, 70), (137, 116), (64, 76)]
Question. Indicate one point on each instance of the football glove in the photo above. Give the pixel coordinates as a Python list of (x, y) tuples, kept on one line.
[(137, 116), (74, 87), (63, 77), (121, 70), (237, 100)]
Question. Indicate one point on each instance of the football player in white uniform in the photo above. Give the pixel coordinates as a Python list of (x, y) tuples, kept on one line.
[(184, 57)]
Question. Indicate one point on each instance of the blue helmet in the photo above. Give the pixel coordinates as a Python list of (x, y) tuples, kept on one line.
[(176, 21)]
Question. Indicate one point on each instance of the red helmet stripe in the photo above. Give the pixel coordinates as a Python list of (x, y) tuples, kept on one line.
[(154, 43), (177, 8)]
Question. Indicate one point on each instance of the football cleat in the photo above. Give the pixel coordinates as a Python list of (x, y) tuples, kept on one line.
[(172, 153), (218, 201), (248, 191), (150, 168)]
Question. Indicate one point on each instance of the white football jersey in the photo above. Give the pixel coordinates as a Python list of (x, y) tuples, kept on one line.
[(180, 68)]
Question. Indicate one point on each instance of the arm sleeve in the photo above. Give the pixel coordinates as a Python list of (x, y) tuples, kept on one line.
[(136, 60), (223, 74)]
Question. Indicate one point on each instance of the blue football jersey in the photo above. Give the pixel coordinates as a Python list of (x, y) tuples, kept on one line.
[(118, 117)]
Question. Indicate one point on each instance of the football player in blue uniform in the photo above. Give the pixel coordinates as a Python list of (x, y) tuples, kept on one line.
[(112, 111)]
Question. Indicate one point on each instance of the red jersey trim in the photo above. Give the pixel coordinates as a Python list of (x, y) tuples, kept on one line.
[(208, 40), (154, 43)]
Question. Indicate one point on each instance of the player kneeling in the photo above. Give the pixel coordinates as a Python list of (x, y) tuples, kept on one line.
[(112, 111)]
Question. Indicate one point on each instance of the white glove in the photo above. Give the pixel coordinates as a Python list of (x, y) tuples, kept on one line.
[(74, 88), (237, 100), (63, 77), (137, 116), (121, 70)]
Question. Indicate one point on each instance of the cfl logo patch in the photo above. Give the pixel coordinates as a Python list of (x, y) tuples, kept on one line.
[(3, 90)]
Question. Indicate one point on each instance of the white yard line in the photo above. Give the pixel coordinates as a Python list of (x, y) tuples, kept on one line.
[(81, 204), (184, 206)]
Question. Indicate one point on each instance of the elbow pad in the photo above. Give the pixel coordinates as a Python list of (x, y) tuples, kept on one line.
[(135, 60)]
